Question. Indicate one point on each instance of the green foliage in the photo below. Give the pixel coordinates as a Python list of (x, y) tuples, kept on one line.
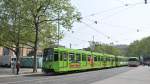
[(140, 48), (44, 16), (23, 14), (105, 48), (13, 32), (34, 22)]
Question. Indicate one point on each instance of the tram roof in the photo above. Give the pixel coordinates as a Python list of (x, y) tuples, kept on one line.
[(85, 52)]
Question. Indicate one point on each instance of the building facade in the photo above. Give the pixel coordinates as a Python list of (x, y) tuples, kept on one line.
[(6, 54)]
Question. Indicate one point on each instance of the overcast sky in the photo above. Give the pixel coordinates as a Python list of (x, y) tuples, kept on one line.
[(118, 21)]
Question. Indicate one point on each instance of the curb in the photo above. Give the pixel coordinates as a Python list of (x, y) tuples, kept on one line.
[(32, 74), (3, 76), (22, 74)]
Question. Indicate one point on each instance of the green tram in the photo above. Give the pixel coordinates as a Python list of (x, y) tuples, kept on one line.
[(64, 60)]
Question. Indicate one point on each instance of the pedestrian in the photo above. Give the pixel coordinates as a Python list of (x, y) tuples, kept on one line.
[(18, 67)]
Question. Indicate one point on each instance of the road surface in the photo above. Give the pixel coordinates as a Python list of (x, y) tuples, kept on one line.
[(74, 78)]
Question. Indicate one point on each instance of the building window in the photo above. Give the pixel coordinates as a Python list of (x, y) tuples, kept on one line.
[(5, 51)]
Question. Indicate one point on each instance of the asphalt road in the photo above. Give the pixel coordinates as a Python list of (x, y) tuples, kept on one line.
[(74, 78)]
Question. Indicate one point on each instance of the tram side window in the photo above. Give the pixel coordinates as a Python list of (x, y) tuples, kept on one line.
[(48, 55), (65, 56), (78, 57), (95, 58), (83, 57), (104, 59), (112, 59), (99, 58), (116, 59), (123, 60), (108, 59), (61, 56), (120, 59), (71, 56), (56, 56)]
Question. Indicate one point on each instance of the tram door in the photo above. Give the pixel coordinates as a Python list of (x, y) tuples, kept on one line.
[(78, 59), (65, 59), (84, 60), (104, 61)]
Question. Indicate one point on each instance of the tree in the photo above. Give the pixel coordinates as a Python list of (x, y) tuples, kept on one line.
[(42, 18), (105, 48), (13, 33), (133, 49), (139, 48), (123, 49), (45, 12)]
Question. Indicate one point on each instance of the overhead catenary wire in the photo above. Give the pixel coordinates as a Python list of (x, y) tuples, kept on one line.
[(123, 26), (112, 9), (75, 44), (120, 26), (101, 12), (114, 14), (119, 1), (99, 32), (106, 17), (95, 21), (115, 8), (77, 38)]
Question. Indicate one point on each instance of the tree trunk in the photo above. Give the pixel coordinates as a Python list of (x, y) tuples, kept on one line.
[(17, 54), (35, 60), (17, 46), (35, 47)]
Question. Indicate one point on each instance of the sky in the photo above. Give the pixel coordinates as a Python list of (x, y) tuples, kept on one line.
[(117, 21)]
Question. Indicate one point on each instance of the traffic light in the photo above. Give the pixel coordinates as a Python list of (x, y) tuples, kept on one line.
[(145, 1)]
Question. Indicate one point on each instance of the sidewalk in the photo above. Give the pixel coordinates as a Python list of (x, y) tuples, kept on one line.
[(139, 75), (7, 72)]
